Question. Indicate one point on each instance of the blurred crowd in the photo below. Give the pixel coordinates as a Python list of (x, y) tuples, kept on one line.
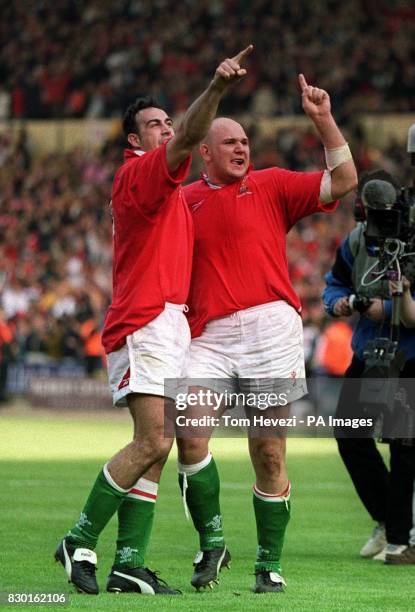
[(55, 251), (56, 241), (88, 58)]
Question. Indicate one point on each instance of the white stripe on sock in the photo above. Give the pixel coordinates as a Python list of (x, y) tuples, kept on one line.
[(269, 497), (111, 481), (149, 486), (145, 490)]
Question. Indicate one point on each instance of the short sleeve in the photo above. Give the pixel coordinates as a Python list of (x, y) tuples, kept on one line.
[(300, 193), (150, 182)]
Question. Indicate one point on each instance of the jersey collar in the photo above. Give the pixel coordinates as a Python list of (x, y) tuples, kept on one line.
[(128, 153), (209, 183)]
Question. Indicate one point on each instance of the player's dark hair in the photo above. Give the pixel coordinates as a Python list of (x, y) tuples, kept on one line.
[(129, 124)]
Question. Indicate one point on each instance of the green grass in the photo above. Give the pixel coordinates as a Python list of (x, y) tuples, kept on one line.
[(49, 462)]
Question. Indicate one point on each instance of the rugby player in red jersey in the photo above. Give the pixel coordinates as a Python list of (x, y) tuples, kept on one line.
[(146, 334), (244, 316)]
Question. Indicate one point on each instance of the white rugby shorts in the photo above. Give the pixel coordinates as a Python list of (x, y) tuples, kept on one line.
[(251, 350), (152, 353)]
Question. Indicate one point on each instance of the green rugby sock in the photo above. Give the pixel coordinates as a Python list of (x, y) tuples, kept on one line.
[(200, 486), (272, 513), (135, 521), (103, 501)]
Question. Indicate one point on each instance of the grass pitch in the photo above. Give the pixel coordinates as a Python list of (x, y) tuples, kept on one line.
[(48, 463)]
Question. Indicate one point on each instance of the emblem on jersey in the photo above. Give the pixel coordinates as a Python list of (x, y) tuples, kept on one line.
[(243, 189)]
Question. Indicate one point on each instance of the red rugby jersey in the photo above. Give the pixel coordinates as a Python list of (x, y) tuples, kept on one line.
[(153, 241), (239, 257)]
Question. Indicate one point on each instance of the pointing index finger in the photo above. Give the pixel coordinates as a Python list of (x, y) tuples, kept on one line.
[(302, 82), (243, 54)]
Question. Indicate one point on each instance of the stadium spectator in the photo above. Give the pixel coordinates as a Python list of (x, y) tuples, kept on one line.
[(65, 58), (331, 357), (93, 350), (6, 341), (333, 352)]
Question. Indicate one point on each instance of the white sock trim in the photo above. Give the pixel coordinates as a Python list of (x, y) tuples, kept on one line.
[(194, 468), (144, 490), (147, 485), (269, 497), (111, 481)]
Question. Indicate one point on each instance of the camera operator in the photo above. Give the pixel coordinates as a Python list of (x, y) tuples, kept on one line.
[(386, 494)]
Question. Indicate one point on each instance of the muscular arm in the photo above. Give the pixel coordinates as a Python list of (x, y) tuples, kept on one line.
[(316, 104), (201, 113)]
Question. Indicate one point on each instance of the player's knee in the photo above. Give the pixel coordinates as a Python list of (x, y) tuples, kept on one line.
[(162, 451), (192, 450), (154, 447), (161, 448), (271, 458)]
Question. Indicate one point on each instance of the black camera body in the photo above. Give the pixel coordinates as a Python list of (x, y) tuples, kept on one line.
[(390, 224), (359, 303), (387, 216)]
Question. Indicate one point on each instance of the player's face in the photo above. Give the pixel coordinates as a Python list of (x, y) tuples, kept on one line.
[(154, 128), (226, 154)]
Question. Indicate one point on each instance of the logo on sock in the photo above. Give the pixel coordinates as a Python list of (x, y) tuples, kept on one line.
[(126, 554), (215, 523), (83, 520), (261, 552)]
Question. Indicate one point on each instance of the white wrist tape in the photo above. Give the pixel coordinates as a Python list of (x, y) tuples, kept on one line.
[(337, 156), (325, 188)]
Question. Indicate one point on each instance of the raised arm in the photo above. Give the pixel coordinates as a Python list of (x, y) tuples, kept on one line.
[(316, 104), (199, 116)]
